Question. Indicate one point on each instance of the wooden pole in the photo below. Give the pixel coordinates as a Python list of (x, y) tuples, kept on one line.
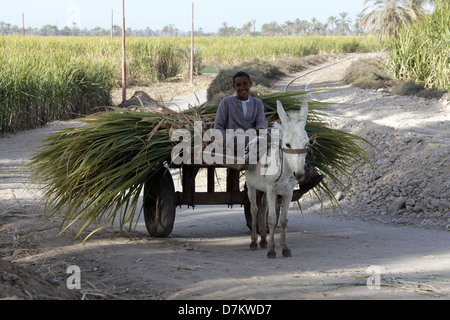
[(124, 59), (192, 47), (112, 24), (23, 24)]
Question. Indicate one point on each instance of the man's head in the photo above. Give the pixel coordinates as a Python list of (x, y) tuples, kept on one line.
[(242, 84)]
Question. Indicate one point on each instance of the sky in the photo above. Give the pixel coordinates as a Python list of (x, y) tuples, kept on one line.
[(140, 14)]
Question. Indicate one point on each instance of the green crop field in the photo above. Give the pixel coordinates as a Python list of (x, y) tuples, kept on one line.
[(44, 79), (422, 51)]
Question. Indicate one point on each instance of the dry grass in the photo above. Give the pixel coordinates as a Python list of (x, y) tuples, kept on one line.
[(374, 74), (166, 91), (369, 74), (264, 74)]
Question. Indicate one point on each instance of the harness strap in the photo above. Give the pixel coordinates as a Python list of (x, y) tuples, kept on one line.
[(295, 151), (289, 151), (282, 165)]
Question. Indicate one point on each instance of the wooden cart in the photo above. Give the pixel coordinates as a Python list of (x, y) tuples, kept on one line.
[(161, 199)]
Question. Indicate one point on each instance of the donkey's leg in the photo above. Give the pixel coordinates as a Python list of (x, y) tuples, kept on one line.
[(284, 223), (254, 211), (262, 212), (272, 220)]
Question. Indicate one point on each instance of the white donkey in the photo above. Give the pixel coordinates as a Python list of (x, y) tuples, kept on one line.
[(289, 159)]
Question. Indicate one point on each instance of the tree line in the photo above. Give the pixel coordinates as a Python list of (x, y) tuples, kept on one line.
[(382, 17), (335, 25), (74, 30)]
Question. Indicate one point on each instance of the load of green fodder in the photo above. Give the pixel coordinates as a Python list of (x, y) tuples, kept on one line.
[(421, 52), (93, 175), (38, 87)]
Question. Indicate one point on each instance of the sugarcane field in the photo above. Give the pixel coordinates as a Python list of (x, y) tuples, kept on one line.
[(116, 191)]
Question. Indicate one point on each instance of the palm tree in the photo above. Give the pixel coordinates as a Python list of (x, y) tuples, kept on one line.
[(418, 6), (357, 26), (301, 26), (386, 16), (332, 20), (314, 23), (288, 27), (170, 30), (247, 28), (344, 23), (271, 29), (226, 31)]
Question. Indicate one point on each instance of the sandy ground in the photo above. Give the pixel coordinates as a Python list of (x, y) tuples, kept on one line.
[(356, 255)]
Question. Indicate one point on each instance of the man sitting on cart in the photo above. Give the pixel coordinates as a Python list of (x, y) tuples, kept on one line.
[(243, 111)]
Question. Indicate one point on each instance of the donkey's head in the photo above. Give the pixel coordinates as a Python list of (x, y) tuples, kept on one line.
[(295, 141)]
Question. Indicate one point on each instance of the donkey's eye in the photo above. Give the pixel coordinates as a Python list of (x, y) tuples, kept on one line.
[(288, 146)]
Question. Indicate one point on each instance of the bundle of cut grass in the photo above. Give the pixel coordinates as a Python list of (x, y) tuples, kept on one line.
[(94, 174)]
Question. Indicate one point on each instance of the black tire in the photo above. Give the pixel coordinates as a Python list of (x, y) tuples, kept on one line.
[(160, 205)]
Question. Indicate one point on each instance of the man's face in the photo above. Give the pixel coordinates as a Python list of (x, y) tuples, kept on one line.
[(242, 86)]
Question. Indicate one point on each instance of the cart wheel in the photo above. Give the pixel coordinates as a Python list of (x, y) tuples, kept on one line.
[(160, 205)]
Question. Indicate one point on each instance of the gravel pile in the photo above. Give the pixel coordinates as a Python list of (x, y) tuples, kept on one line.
[(407, 181)]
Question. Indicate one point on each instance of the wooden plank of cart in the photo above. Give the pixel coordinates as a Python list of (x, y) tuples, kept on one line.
[(161, 200)]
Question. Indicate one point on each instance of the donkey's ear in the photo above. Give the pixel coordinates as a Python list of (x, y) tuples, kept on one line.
[(281, 113), (304, 111)]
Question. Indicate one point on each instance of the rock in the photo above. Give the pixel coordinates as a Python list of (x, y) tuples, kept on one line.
[(397, 204), (435, 202), (400, 221), (407, 140), (408, 175), (386, 192), (340, 196), (409, 190), (444, 205), (139, 99)]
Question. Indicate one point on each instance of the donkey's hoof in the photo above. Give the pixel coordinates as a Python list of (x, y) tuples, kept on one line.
[(253, 246), (272, 254), (287, 253), (263, 244)]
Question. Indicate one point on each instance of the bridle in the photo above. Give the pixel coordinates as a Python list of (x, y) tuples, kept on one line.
[(282, 151), (289, 151), (295, 151)]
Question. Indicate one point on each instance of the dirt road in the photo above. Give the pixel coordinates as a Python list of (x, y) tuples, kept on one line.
[(363, 252)]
